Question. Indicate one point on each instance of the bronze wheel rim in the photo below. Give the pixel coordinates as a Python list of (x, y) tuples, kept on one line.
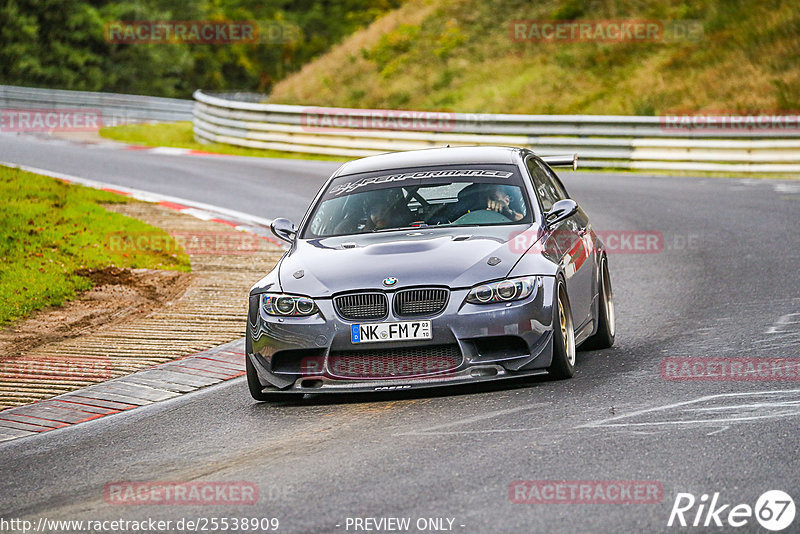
[(608, 299), (566, 331)]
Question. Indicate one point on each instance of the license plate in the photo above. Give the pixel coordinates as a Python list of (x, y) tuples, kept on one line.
[(408, 330)]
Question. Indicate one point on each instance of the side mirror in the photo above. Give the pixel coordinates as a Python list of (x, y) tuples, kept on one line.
[(284, 229), (560, 211)]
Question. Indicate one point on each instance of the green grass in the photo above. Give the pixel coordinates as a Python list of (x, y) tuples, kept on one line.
[(180, 135), (49, 230)]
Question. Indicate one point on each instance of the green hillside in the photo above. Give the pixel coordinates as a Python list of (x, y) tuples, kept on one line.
[(459, 55)]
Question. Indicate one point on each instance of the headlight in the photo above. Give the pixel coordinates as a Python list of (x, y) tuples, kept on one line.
[(287, 305), (503, 291)]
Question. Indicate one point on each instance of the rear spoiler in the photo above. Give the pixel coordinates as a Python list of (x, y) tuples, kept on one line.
[(562, 161)]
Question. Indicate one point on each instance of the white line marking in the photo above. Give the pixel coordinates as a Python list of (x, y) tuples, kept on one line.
[(169, 150), (475, 419), (747, 406), (783, 320), (609, 422), (703, 421), (786, 188), (200, 214), (457, 432), (146, 196), (783, 335)]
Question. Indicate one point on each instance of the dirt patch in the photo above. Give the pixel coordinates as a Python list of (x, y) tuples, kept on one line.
[(133, 319), (117, 296)]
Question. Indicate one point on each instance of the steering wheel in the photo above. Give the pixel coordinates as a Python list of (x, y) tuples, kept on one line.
[(484, 216)]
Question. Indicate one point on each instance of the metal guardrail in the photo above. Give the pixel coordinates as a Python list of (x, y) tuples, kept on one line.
[(628, 142), (115, 108)]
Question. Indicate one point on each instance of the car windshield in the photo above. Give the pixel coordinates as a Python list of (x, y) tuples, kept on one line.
[(455, 195)]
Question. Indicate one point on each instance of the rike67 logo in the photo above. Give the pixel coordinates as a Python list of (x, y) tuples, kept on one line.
[(774, 510)]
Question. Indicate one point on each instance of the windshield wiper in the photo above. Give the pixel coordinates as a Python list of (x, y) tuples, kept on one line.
[(415, 227)]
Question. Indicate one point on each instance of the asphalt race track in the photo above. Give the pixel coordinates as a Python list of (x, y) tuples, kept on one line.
[(724, 283)]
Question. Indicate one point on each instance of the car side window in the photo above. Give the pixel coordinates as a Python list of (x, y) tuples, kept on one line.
[(558, 187), (546, 189)]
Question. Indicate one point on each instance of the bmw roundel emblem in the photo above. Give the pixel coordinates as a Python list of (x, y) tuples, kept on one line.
[(389, 281)]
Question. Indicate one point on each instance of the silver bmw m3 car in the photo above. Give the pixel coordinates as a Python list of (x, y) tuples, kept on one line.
[(430, 268)]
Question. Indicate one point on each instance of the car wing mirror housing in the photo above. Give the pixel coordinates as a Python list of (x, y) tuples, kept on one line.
[(284, 229), (561, 210)]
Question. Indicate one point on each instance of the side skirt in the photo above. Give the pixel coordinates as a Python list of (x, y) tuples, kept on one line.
[(585, 331)]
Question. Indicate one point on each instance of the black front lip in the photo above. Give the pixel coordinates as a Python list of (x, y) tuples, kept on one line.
[(469, 375)]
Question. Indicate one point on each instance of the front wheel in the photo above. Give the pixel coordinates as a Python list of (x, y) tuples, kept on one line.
[(255, 387), (606, 321), (563, 364)]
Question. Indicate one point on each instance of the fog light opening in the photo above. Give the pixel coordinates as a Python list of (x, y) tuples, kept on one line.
[(483, 371)]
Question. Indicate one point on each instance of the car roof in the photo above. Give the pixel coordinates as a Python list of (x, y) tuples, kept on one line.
[(431, 156)]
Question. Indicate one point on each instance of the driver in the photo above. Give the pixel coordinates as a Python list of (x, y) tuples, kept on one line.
[(500, 201), (388, 209)]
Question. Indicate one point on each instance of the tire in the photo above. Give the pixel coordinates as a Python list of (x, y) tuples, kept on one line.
[(606, 317), (563, 364), (255, 387)]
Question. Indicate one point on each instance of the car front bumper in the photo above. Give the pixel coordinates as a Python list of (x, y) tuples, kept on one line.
[(495, 341)]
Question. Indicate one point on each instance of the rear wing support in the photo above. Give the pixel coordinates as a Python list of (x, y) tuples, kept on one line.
[(562, 161)]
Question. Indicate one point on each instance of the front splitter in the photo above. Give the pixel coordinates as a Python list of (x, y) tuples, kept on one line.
[(471, 375)]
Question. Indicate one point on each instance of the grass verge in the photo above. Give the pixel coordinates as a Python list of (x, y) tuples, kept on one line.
[(710, 56), (180, 135), (51, 231)]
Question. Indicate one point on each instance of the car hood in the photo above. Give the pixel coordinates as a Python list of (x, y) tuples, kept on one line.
[(456, 258)]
